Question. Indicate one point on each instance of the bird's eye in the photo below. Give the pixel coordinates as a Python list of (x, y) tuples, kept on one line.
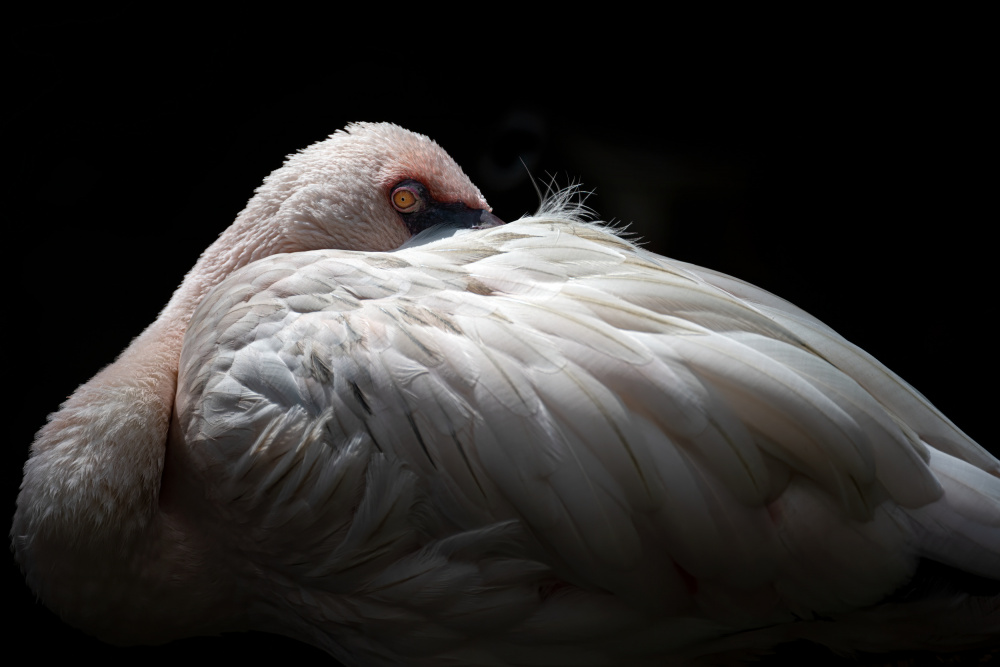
[(406, 200)]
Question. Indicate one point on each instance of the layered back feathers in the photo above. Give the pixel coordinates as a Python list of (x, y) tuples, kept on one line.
[(542, 421)]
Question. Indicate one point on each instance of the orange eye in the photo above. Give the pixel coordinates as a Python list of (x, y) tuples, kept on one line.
[(404, 199)]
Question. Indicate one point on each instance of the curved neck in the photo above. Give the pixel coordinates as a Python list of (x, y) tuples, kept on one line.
[(90, 531), (98, 537)]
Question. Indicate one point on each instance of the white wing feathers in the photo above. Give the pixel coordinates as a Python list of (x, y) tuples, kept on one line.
[(580, 409), (902, 400)]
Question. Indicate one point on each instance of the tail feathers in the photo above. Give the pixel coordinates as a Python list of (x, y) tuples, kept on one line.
[(962, 528), (952, 602)]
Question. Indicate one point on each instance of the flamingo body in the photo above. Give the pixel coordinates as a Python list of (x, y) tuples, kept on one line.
[(526, 444)]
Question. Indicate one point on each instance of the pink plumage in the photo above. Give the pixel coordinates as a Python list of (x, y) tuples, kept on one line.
[(527, 444)]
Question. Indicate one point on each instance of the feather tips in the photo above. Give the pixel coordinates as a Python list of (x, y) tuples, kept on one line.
[(653, 430)]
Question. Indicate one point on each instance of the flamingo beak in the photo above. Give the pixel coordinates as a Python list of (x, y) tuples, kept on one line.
[(487, 219)]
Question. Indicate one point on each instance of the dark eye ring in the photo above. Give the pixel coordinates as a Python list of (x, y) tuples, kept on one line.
[(406, 199)]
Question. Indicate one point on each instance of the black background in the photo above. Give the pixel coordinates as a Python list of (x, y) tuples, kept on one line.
[(841, 167)]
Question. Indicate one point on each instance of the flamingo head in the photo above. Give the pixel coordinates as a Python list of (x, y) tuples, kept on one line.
[(371, 186)]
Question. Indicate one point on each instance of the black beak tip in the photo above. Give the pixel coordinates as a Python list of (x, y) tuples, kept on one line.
[(487, 219)]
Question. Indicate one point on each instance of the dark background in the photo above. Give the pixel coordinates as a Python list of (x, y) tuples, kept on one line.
[(842, 168)]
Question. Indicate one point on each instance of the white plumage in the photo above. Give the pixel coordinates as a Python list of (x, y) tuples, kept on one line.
[(527, 444)]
